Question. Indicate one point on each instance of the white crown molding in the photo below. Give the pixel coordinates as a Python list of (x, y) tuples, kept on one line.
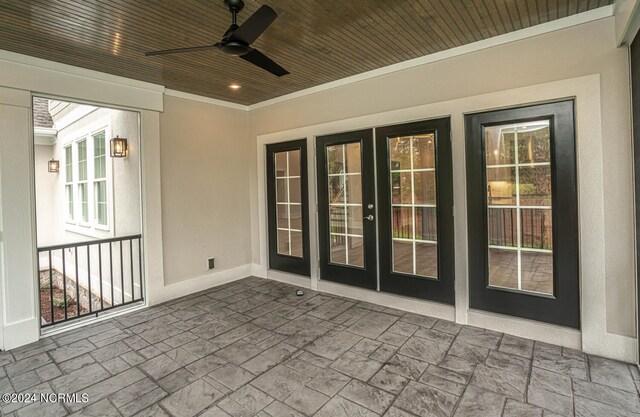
[(563, 23), (81, 72), (203, 99)]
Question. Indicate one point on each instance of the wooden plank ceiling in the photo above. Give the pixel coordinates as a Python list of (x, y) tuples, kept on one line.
[(318, 41)]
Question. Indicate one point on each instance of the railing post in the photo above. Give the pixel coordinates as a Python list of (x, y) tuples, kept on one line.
[(133, 292), (75, 251), (51, 285), (113, 303), (121, 272), (64, 285), (89, 275), (140, 263), (100, 274)]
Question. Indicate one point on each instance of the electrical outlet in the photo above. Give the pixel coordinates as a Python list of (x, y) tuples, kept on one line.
[(211, 263)]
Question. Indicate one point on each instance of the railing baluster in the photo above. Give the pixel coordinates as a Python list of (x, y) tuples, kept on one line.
[(77, 248), (89, 275), (100, 274), (113, 303), (75, 252), (51, 286), (513, 227), (531, 215), (133, 292), (140, 263), (121, 272), (64, 285)]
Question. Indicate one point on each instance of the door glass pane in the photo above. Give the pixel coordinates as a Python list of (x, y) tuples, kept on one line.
[(294, 163), (296, 244), (283, 216), (534, 144), (424, 187), (344, 167), (402, 256), (282, 193), (501, 188), (412, 162), (354, 220), (400, 187), (519, 205), (295, 212), (535, 185), (295, 191), (537, 271), (281, 164), (289, 203)]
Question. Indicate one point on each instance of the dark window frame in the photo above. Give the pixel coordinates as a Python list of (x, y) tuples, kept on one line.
[(563, 308), (441, 289), (287, 263)]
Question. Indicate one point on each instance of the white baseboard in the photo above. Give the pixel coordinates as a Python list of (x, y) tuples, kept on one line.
[(292, 279), (412, 305), (528, 329), (203, 282), (622, 348), (258, 270), (21, 333)]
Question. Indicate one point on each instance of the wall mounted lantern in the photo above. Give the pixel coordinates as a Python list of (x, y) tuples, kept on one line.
[(119, 147), (54, 165)]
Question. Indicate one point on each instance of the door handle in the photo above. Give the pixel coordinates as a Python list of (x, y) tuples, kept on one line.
[(369, 217)]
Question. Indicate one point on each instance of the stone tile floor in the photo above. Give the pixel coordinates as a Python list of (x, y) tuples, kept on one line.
[(252, 348)]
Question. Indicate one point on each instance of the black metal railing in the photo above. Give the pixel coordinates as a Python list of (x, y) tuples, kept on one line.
[(536, 228), (97, 284), (426, 223)]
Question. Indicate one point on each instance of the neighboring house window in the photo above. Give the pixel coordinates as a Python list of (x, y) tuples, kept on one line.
[(87, 183), (100, 178), (68, 158), (83, 194)]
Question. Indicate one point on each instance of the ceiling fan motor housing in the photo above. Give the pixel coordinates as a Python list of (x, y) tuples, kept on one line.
[(235, 48)]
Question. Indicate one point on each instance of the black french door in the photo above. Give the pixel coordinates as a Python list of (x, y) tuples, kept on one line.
[(415, 209), (346, 208), (412, 252), (288, 211), (522, 213)]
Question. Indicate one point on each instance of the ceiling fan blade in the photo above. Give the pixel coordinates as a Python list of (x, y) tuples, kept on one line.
[(180, 50), (253, 27), (259, 59)]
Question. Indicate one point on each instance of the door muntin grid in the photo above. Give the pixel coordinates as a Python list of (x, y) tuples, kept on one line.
[(519, 208), (288, 178), (414, 234), (346, 235)]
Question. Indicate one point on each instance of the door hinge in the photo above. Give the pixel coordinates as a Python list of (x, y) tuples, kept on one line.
[(453, 211)]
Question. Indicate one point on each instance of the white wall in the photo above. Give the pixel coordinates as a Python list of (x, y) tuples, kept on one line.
[(47, 203), (569, 53), (205, 188)]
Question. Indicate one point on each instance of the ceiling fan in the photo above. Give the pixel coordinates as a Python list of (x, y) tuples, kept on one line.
[(237, 39)]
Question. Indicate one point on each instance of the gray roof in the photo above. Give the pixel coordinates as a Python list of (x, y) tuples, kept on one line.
[(41, 115)]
